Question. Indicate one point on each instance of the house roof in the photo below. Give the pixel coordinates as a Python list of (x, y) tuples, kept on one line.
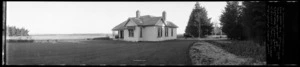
[(170, 24), (146, 20), (121, 26)]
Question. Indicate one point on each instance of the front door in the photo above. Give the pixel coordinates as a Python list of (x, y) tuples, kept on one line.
[(121, 34)]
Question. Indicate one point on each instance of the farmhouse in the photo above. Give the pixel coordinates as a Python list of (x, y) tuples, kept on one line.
[(145, 28)]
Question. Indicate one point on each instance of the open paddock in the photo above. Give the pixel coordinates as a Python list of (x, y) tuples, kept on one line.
[(95, 52)]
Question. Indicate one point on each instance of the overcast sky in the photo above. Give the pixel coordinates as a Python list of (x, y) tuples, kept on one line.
[(97, 17)]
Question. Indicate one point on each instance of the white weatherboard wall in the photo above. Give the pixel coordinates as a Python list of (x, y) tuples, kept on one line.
[(143, 33), (163, 34), (169, 34), (135, 31), (150, 33), (169, 37), (164, 37), (160, 23), (174, 33), (135, 37)]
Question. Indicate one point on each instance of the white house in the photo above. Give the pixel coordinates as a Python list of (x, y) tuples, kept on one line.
[(146, 28)]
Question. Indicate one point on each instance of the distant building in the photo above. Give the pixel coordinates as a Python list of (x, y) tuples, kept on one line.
[(146, 28)]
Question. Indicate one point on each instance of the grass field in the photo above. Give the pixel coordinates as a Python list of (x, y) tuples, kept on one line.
[(100, 52)]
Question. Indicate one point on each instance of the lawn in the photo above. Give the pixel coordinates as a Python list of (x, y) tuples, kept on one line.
[(242, 48), (100, 52)]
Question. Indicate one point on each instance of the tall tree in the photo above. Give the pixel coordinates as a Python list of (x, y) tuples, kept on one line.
[(199, 24), (254, 20), (230, 21)]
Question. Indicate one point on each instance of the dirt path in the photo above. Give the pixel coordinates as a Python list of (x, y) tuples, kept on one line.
[(203, 53)]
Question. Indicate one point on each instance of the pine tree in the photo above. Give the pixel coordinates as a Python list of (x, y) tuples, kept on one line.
[(231, 21), (199, 24), (254, 20)]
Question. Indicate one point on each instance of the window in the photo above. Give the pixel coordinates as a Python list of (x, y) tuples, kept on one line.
[(171, 31), (131, 33), (141, 30), (166, 31), (159, 32)]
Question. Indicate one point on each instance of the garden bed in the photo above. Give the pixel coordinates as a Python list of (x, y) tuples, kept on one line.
[(242, 48), (203, 53)]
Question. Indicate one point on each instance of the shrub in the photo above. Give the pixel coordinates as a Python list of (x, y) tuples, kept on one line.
[(116, 36), (19, 41), (101, 38), (187, 35)]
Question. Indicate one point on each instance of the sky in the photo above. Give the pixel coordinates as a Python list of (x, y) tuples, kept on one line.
[(98, 17)]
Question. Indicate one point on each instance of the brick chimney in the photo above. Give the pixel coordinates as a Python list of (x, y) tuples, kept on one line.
[(164, 16), (137, 14)]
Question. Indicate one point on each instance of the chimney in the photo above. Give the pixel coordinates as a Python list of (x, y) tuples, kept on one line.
[(164, 15), (137, 14)]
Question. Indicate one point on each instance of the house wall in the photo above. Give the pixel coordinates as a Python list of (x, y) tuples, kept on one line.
[(169, 34), (149, 33), (136, 32), (163, 34), (160, 23), (174, 33), (170, 37), (163, 37), (143, 33)]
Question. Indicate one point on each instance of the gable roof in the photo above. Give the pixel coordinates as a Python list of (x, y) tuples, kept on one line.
[(120, 26), (170, 24), (146, 20)]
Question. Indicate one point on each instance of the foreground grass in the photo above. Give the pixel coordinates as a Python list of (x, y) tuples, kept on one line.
[(97, 52), (242, 48)]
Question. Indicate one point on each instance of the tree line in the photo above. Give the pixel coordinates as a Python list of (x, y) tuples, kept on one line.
[(14, 31), (244, 22)]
